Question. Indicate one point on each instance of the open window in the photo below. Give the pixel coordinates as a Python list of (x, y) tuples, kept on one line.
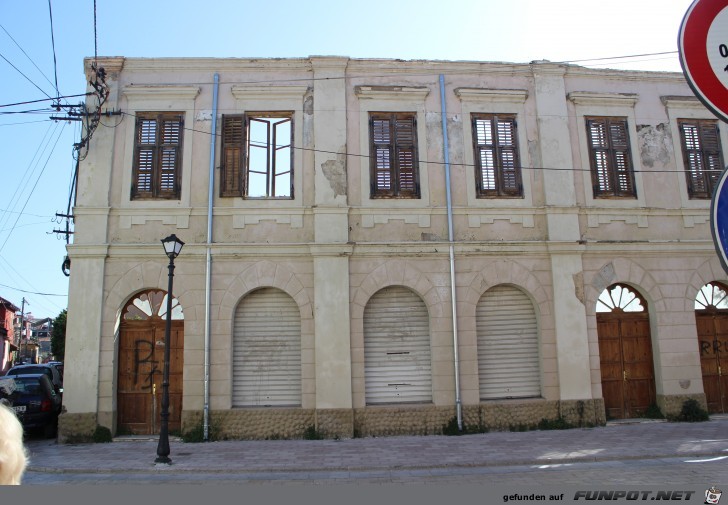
[(257, 155)]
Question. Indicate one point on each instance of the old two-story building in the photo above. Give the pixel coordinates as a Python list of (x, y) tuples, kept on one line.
[(377, 247), (8, 342)]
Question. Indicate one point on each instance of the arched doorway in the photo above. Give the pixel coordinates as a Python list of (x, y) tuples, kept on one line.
[(711, 319), (141, 363), (625, 352)]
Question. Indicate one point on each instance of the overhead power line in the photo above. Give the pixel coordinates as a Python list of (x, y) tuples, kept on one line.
[(31, 292)]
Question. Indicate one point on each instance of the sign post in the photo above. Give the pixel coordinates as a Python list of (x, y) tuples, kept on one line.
[(703, 47)]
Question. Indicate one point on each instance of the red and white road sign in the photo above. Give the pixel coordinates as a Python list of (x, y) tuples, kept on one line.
[(703, 47)]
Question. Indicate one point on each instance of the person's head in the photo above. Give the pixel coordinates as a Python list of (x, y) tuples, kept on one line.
[(12, 450)]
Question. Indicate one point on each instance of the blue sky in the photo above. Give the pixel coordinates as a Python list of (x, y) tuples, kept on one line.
[(36, 163)]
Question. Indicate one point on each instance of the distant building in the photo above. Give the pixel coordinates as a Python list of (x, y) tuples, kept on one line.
[(41, 330), (586, 284), (7, 333)]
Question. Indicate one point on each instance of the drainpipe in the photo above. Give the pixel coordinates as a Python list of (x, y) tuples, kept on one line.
[(208, 268), (451, 240)]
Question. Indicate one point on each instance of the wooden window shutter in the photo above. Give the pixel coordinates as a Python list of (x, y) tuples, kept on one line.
[(406, 147), (702, 156), (170, 143), (382, 163), (146, 134), (611, 160), (498, 170), (393, 151), (157, 156), (232, 157)]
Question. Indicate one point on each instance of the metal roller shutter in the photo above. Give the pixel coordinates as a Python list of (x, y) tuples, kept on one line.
[(267, 350), (508, 357), (397, 364)]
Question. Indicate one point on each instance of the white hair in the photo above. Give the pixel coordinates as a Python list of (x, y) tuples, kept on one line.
[(12, 451)]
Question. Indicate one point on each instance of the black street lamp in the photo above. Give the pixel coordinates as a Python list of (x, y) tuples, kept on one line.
[(172, 247)]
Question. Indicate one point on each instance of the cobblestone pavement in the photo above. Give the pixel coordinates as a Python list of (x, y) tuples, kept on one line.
[(620, 453)]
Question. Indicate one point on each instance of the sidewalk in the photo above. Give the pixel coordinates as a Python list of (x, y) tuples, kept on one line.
[(614, 442)]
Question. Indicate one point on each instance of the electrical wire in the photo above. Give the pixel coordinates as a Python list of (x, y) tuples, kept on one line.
[(53, 45), (26, 77), (32, 292), (33, 189), (26, 54), (44, 100)]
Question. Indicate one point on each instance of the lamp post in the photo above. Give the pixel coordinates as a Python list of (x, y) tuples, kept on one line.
[(172, 247)]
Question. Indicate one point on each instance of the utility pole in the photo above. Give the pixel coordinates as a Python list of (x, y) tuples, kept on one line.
[(22, 325)]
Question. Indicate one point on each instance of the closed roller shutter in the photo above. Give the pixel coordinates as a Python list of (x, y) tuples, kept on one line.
[(267, 350), (508, 357), (397, 365)]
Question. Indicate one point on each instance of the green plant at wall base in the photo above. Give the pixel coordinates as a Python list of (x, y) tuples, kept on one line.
[(197, 433), (102, 435), (691, 412), (452, 429), (554, 424), (653, 412), (312, 434)]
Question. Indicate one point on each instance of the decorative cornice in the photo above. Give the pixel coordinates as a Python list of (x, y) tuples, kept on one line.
[(492, 95), (418, 93), (613, 99), (162, 91), (684, 102), (268, 92)]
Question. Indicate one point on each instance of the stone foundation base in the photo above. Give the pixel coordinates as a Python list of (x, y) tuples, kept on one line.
[(382, 421), (75, 428), (507, 415), (671, 405), (253, 424)]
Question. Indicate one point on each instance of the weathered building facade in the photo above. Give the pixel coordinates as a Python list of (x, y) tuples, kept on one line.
[(353, 267)]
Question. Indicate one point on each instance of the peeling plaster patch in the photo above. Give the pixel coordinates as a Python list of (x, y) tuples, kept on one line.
[(308, 104), (655, 144), (604, 278), (579, 287), (684, 383), (535, 156), (335, 173), (431, 237), (203, 115)]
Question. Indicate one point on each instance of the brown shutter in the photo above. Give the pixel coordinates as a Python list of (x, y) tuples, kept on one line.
[(146, 135), (510, 171), (169, 166), (702, 156), (612, 172), (406, 148), (233, 141), (382, 165), (624, 181)]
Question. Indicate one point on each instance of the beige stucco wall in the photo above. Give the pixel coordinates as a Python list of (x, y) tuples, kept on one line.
[(331, 247)]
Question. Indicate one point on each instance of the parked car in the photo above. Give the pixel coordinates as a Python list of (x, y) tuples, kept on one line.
[(36, 403), (51, 371), (58, 365)]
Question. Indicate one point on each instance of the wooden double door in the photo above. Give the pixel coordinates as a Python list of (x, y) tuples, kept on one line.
[(141, 364), (713, 342), (625, 350)]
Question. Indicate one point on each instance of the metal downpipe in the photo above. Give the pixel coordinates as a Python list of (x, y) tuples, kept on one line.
[(451, 243), (208, 267)]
